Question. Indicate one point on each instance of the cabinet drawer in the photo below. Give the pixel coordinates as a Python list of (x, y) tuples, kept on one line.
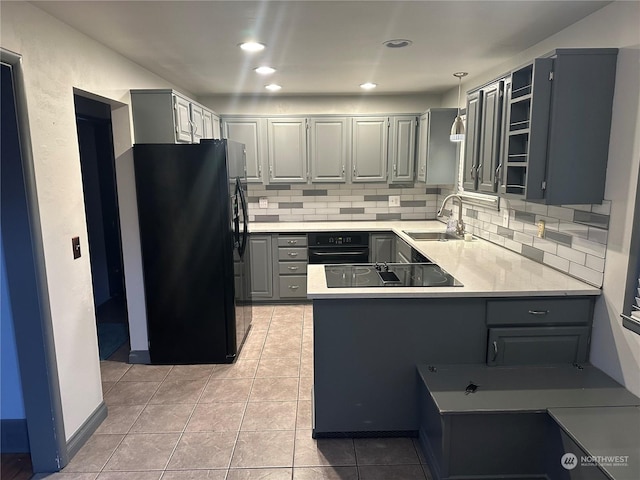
[(293, 253), (293, 286), (292, 268), (292, 240), (542, 311), (537, 345)]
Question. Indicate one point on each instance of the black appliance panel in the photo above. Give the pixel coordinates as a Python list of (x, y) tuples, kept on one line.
[(340, 247)]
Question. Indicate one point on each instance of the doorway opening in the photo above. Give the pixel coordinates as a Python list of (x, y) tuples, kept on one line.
[(97, 161)]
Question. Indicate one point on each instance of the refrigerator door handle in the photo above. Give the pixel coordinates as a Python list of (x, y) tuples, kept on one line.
[(245, 218)]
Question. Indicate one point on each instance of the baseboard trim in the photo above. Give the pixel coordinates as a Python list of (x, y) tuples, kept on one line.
[(90, 425), (15, 437), (140, 356)]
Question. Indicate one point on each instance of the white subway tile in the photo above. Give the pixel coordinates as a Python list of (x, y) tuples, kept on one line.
[(536, 208), (574, 229), (545, 245), (595, 263), (291, 218), (584, 208), (340, 216), (598, 235), (312, 218), (572, 255), (495, 238), (587, 246), (560, 213), (516, 225), (490, 227), (530, 229), (363, 216), (586, 274), (511, 245), (523, 238), (351, 198), (604, 209), (327, 211), (556, 262)]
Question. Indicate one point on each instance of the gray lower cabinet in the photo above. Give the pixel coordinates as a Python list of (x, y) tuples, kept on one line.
[(381, 247), (261, 260), (534, 331), (402, 251), (292, 266), (366, 352)]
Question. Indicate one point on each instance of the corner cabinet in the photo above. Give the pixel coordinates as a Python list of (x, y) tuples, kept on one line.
[(369, 149), (329, 142), (287, 152), (558, 127), (402, 148), (436, 158), (165, 116), (253, 133)]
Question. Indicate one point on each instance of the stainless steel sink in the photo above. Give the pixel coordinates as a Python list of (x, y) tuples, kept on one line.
[(433, 236)]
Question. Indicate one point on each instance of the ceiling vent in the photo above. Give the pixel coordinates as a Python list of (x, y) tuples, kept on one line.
[(397, 43)]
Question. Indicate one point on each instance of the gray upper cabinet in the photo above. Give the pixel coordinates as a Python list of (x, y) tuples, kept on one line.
[(436, 158), (483, 135), (165, 116), (253, 133), (329, 149), (287, 140), (402, 144), (472, 140), (559, 122), (369, 149)]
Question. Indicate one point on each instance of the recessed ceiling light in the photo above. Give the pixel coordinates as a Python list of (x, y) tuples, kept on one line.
[(272, 87), (252, 46), (264, 70), (397, 43), (368, 86)]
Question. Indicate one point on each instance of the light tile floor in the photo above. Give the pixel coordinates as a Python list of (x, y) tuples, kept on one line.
[(250, 420)]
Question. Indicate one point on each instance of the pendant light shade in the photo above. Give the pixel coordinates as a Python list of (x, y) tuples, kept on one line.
[(457, 129)]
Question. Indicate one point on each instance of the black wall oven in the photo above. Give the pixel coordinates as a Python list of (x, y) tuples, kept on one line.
[(338, 247)]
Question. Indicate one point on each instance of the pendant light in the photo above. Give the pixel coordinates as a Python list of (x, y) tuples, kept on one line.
[(457, 129)]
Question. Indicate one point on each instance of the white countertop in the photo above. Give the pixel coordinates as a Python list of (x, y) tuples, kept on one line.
[(485, 269)]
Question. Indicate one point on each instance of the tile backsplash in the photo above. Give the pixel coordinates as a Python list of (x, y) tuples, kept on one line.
[(574, 241), (332, 201)]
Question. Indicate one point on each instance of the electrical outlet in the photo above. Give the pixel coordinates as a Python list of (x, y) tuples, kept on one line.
[(505, 218), (541, 227), (75, 245), (394, 200), (264, 202)]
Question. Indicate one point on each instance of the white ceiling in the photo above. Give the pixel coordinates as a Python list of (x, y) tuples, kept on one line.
[(318, 47)]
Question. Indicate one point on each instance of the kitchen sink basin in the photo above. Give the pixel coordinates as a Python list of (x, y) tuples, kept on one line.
[(433, 236)]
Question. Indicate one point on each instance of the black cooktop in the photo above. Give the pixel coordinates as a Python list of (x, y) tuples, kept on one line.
[(388, 275)]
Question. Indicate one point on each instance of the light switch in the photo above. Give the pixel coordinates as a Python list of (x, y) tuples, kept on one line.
[(264, 202), (75, 244)]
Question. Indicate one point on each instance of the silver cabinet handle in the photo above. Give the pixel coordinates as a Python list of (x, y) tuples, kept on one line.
[(259, 171), (293, 254), (495, 350), (294, 287), (293, 268), (538, 312), (292, 242)]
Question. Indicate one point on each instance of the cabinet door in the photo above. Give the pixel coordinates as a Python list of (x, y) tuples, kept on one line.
[(207, 124), (328, 141), (287, 150), (261, 261), (472, 140), (251, 132), (402, 148), (215, 122), (369, 149), (423, 141), (441, 153), (182, 116), (197, 123), (382, 247), (537, 345), (490, 123)]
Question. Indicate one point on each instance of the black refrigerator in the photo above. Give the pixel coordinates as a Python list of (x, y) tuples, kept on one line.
[(192, 213)]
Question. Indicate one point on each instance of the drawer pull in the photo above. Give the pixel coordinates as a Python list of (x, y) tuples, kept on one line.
[(292, 268), (294, 287), (293, 254), (292, 242), (495, 350), (538, 312)]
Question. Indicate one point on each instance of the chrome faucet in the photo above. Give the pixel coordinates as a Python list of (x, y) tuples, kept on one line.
[(459, 222)]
